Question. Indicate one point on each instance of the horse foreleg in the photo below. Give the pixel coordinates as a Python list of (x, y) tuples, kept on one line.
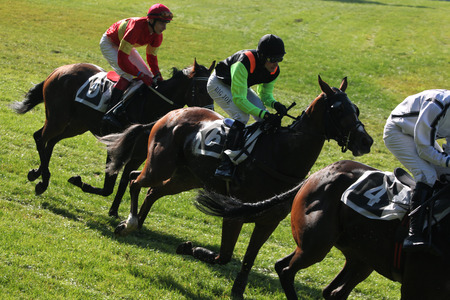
[(260, 235), (354, 272)]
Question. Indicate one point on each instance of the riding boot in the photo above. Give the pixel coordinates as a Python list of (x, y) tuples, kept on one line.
[(110, 117), (415, 240), (233, 142)]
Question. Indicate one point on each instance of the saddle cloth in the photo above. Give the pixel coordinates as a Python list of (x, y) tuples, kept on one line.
[(380, 195), (96, 91), (211, 137)]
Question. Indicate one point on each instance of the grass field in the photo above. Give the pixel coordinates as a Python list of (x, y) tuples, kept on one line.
[(61, 245)]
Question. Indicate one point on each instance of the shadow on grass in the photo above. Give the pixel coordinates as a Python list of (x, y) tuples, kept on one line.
[(167, 243), (378, 3)]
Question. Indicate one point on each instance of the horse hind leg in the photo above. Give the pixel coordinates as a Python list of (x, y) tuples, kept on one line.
[(287, 275), (106, 190), (34, 174), (354, 272)]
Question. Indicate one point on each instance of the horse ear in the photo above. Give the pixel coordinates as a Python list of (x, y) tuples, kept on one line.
[(343, 84), (325, 87), (212, 67), (196, 66)]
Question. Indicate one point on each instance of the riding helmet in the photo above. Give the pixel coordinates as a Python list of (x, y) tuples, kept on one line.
[(160, 12), (271, 47)]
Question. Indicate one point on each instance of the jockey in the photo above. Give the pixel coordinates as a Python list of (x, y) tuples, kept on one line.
[(410, 134), (229, 86), (118, 47)]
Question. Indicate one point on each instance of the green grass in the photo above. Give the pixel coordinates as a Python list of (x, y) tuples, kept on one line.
[(61, 245)]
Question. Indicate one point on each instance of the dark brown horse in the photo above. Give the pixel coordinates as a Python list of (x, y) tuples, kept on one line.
[(320, 220), (67, 118), (279, 161)]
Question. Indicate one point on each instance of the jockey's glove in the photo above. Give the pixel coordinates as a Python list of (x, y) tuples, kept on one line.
[(280, 108), (145, 78)]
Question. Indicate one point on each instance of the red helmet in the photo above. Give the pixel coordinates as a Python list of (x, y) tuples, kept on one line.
[(160, 12)]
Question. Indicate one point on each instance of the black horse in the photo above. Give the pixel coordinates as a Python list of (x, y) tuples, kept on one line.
[(320, 220), (279, 161), (67, 118)]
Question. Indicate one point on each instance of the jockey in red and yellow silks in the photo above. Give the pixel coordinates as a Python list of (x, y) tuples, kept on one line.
[(118, 45), (131, 33)]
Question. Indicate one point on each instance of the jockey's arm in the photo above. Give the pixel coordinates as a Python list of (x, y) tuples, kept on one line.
[(152, 60), (239, 76), (425, 136), (265, 92), (123, 58)]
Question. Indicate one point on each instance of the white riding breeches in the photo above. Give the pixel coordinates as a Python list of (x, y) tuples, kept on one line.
[(110, 52), (221, 94), (404, 149)]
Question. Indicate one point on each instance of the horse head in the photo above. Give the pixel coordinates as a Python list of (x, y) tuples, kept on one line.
[(340, 119), (199, 75)]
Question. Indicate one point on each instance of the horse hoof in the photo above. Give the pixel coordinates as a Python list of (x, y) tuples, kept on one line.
[(113, 213), (40, 188), (75, 180), (121, 229), (185, 248), (33, 175)]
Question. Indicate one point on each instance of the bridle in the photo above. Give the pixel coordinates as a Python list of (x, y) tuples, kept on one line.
[(193, 84), (333, 130)]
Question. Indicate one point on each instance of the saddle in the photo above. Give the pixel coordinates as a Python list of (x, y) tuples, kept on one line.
[(210, 140), (96, 91)]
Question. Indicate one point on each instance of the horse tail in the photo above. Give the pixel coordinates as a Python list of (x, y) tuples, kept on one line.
[(214, 204), (120, 146), (34, 97)]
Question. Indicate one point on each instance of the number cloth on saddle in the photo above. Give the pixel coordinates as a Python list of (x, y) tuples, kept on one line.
[(211, 137), (96, 91), (380, 195)]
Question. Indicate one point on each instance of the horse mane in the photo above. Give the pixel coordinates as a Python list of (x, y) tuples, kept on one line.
[(177, 74)]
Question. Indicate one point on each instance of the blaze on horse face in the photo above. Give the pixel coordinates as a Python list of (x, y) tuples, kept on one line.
[(343, 118)]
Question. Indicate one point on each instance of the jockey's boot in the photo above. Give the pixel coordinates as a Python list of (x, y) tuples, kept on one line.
[(415, 241), (233, 142)]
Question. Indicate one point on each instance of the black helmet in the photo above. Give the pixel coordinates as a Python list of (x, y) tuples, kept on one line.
[(271, 47)]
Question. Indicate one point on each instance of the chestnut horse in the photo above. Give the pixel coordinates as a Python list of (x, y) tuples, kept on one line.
[(320, 220), (279, 161), (67, 118)]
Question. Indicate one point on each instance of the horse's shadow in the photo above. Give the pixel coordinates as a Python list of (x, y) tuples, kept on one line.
[(167, 243)]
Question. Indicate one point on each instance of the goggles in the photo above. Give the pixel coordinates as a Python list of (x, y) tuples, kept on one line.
[(275, 59)]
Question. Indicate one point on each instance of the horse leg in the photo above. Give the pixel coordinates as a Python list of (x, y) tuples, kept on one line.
[(230, 233), (42, 186), (35, 173), (131, 224), (260, 234), (106, 190), (354, 272), (124, 180)]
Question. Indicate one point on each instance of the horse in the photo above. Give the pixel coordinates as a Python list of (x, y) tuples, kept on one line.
[(278, 162), (66, 118), (320, 220)]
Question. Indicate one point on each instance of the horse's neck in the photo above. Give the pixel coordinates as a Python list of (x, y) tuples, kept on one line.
[(312, 121)]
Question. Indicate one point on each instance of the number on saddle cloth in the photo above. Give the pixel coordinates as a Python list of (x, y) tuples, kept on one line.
[(211, 137), (96, 91)]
